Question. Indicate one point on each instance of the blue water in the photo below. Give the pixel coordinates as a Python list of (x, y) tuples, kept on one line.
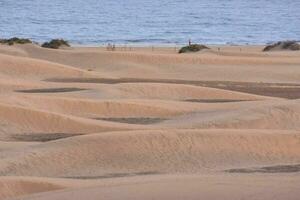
[(152, 21)]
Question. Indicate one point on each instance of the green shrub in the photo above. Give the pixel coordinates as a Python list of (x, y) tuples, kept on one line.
[(15, 40), (283, 45), (192, 48), (55, 44)]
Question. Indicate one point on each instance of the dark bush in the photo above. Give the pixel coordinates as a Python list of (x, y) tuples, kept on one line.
[(55, 44), (15, 40), (193, 48), (283, 45)]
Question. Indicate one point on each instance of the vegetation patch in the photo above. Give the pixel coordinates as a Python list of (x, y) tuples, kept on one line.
[(192, 48), (268, 169), (56, 44), (15, 40), (42, 137), (115, 175), (215, 100), (134, 120), (283, 45), (51, 90)]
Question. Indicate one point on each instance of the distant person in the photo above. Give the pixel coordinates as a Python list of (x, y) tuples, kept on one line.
[(190, 42), (108, 47)]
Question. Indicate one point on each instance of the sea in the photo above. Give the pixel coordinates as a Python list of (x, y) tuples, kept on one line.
[(149, 22)]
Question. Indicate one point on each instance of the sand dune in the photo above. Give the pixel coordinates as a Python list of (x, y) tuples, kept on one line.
[(108, 108), (18, 120), (8, 146), (14, 50), (180, 91), (86, 123), (87, 55), (125, 107), (10, 187), (229, 66), (13, 66), (187, 187), (168, 151), (282, 115)]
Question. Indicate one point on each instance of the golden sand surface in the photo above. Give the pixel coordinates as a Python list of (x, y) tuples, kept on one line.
[(149, 123)]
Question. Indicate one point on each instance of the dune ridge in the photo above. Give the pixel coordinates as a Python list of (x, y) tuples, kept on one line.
[(164, 151)]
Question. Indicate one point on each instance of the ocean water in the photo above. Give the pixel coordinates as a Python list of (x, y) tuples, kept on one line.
[(152, 21)]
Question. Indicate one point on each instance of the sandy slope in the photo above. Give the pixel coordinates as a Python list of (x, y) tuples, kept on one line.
[(214, 187), (168, 151), (283, 115), (85, 123), (10, 187), (230, 65), (16, 67)]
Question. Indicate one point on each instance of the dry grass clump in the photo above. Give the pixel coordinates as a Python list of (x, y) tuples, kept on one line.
[(15, 40), (56, 44), (192, 48), (283, 45)]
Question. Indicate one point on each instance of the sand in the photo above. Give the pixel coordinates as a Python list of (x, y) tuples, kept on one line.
[(87, 123)]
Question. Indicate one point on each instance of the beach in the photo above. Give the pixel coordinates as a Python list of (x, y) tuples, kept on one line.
[(149, 123)]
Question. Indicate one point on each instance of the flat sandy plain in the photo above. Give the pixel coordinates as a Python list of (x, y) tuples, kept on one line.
[(87, 123)]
